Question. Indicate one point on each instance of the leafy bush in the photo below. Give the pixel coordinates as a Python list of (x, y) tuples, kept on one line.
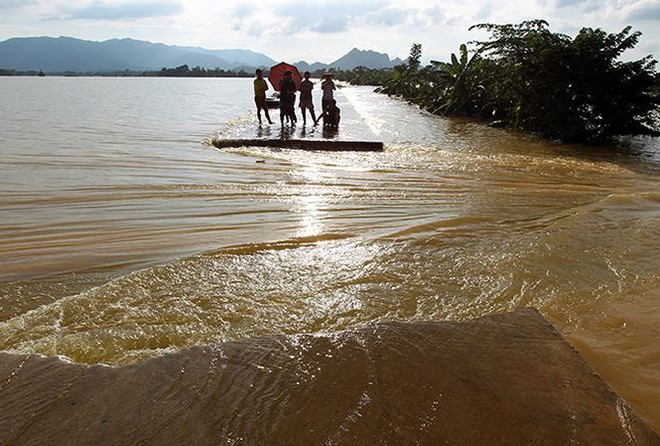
[(569, 89)]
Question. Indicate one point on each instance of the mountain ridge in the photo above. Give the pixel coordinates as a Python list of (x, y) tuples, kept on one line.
[(71, 54)]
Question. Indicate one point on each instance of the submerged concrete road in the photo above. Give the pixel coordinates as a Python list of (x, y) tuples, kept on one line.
[(500, 380), (303, 144)]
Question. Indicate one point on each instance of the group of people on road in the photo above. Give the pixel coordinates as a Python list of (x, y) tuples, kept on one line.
[(330, 112)]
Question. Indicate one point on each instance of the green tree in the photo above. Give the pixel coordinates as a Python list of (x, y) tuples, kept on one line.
[(404, 78), (571, 89), (458, 82)]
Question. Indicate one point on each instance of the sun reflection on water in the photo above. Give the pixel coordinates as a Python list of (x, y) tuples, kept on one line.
[(311, 223), (312, 201)]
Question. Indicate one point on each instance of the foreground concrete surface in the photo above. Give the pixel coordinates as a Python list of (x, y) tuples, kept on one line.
[(500, 380)]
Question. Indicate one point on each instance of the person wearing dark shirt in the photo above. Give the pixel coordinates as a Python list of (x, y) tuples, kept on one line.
[(328, 87), (287, 98), (331, 115), (306, 102)]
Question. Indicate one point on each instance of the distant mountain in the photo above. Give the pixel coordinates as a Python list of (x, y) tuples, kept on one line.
[(68, 54), (57, 55), (61, 54), (356, 58), (304, 66), (235, 58)]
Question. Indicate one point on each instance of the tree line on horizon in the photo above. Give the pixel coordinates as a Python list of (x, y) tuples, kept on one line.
[(179, 71), (186, 71), (529, 78)]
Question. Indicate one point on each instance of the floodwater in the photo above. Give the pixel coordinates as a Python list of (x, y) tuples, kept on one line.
[(124, 234)]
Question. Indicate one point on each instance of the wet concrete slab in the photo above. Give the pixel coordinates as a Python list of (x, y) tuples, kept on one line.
[(303, 144), (500, 380)]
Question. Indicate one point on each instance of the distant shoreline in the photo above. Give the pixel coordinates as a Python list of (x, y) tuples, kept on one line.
[(13, 73), (182, 71)]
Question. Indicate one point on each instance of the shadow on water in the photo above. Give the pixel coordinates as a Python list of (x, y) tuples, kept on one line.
[(330, 132), (288, 132), (636, 154), (263, 131)]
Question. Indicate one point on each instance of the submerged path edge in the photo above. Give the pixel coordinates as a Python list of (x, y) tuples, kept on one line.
[(500, 379), (303, 144)]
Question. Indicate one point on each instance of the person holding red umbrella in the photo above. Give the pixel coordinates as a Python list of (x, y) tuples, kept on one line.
[(287, 89), (276, 74)]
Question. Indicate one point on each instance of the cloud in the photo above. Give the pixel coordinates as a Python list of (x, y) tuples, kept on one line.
[(648, 12), (243, 10), (127, 11), (326, 17), (568, 3), (434, 15), (6, 5), (331, 24), (293, 17), (387, 17), (318, 29), (585, 6)]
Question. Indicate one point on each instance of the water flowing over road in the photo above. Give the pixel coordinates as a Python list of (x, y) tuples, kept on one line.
[(124, 234)]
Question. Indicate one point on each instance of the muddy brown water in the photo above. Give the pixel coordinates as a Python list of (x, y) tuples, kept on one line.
[(124, 234)]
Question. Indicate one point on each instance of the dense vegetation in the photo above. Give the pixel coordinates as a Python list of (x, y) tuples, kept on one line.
[(186, 71), (10, 72), (532, 79)]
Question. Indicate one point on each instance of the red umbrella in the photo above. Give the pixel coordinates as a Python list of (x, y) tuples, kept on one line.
[(277, 73)]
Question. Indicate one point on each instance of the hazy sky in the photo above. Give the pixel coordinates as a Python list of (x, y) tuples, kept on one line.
[(318, 30)]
